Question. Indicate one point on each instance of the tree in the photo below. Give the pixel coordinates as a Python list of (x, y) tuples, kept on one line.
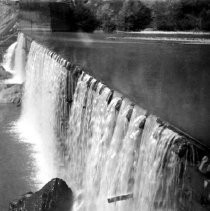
[(181, 15), (133, 16), (205, 19), (165, 15), (72, 17), (107, 15), (188, 22), (84, 18)]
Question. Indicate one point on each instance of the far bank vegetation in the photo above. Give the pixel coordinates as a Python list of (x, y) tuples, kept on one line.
[(169, 15), (133, 15)]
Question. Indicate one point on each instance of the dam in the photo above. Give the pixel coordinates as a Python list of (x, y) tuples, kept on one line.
[(103, 144), (123, 121)]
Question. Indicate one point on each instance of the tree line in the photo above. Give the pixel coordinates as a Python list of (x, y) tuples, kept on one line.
[(128, 15), (183, 15), (134, 15)]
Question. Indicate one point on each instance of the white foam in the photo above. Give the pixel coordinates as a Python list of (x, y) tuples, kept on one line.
[(8, 60), (15, 60), (27, 132)]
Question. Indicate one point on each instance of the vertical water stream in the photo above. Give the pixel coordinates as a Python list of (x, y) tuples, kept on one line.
[(14, 60)]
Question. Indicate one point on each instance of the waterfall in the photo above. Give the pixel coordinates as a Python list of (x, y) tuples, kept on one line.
[(38, 119), (104, 146), (20, 59), (113, 149), (9, 57), (15, 60)]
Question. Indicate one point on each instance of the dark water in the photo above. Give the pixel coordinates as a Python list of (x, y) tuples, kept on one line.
[(16, 163), (168, 78)]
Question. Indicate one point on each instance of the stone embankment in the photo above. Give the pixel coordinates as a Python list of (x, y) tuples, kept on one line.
[(9, 93)]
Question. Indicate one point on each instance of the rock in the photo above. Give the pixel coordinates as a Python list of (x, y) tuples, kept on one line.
[(205, 198), (17, 101), (4, 74), (54, 196), (11, 93), (204, 167)]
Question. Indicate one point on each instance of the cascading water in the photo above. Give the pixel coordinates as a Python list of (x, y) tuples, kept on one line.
[(15, 60), (9, 58), (20, 59), (38, 120), (104, 146), (109, 152)]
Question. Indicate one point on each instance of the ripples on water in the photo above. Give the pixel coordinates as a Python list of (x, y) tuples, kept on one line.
[(16, 163)]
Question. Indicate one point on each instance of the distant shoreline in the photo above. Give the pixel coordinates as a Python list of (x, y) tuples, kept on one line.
[(183, 40), (182, 34), (174, 36), (167, 32)]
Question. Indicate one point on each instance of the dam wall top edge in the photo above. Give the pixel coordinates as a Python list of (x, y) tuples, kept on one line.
[(66, 62)]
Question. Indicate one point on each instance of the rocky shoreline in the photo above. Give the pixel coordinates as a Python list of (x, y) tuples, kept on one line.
[(9, 93)]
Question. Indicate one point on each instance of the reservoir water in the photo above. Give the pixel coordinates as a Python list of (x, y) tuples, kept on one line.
[(169, 78)]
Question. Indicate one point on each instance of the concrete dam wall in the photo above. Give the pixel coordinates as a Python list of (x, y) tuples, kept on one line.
[(168, 78), (104, 145), (123, 121)]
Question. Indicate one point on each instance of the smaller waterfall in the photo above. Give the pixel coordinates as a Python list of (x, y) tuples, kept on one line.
[(9, 58), (20, 59), (15, 60)]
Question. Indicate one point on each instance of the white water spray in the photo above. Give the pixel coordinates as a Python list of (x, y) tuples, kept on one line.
[(15, 61), (37, 121), (9, 58)]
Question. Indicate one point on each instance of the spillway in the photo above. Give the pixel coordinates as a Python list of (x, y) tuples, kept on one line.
[(104, 146), (8, 60), (14, 60)]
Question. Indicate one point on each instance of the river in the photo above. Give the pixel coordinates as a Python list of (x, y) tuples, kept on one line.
[(16, 162)]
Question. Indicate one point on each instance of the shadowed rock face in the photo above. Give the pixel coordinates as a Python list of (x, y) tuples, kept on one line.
[(4, 74), (54, 196), (11, 93)]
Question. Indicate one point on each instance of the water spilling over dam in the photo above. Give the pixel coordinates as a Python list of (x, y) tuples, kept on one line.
[(106, 147), (15, 60), (8, 61)]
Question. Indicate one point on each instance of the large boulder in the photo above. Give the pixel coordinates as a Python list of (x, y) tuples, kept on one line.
[(4, 74), (54, 196), (11, 93)]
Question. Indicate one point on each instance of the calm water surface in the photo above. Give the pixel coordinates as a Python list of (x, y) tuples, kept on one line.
[(16, 162), (168, 78)]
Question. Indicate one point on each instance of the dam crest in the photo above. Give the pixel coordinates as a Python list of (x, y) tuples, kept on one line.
[(102, 144)]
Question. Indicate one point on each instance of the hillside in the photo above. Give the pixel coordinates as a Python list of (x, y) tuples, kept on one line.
[(8, 26), (8, 20)]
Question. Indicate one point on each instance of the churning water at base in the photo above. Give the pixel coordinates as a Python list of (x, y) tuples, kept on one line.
[(103, 145), (17, 169)]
